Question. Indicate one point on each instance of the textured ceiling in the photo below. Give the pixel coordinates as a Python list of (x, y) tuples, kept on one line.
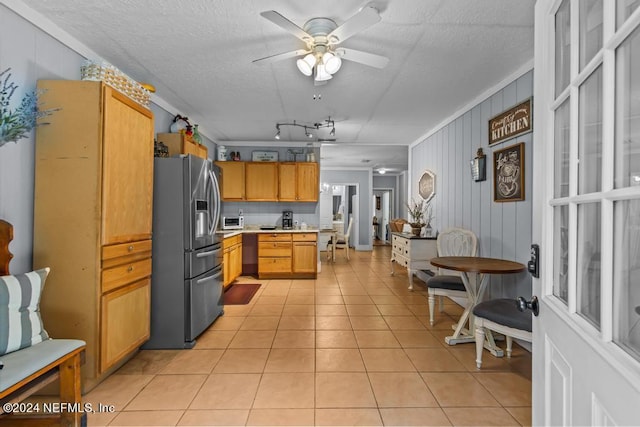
[(198, 54)]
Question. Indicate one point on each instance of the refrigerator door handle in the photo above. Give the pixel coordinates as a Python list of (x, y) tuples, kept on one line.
[(216, 193), (208, 278), (206, 253)]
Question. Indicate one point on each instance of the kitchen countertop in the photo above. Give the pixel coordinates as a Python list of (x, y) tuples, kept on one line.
[(256, 229)]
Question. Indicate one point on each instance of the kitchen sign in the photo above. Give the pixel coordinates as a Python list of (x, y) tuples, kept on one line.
[(511, 123)]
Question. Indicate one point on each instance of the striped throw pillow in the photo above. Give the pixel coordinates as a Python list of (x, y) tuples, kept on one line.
[(20, 322)]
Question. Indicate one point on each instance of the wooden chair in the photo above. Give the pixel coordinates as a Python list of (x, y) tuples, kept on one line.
[(29, 369), (342, 242), (451, 242), (502, 316)]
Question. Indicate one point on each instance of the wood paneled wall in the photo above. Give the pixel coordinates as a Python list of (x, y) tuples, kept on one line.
[(503, 229)]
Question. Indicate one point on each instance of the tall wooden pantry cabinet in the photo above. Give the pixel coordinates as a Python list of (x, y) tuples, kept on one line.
[(92, 220)]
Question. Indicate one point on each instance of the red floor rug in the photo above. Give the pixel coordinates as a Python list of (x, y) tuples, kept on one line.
[(240, 293)]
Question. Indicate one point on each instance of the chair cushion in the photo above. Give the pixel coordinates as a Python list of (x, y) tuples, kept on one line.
[(338, 242), (20, 364), (446, 282), (505, 312), (20, 322)]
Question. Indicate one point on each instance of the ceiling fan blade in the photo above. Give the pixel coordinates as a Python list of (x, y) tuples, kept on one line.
[(365, 58), (360, 21), (279, 57), (284, 23)]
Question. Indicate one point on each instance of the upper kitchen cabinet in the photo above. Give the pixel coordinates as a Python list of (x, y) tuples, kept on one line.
[(269, 181), (179, 143), (92, 220), (261, 181), (231, 180), (298, 182)]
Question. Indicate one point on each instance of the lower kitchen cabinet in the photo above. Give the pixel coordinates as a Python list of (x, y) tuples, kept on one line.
[(232, 258), (305, 254), (128, 306), (274, 255), (287, 255)]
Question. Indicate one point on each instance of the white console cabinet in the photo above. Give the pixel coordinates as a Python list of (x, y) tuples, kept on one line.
[(413, 253)]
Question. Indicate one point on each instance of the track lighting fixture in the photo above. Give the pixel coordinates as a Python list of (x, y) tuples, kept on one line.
[(327, 123)]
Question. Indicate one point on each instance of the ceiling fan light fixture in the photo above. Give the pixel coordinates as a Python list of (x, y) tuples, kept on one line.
[(332, 62), (322, 74), (306, 64)]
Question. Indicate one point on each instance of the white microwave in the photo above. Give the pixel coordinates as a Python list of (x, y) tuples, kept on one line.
[(232, 222)]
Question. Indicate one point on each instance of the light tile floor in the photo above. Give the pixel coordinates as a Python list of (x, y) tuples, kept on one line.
[(353, 347)]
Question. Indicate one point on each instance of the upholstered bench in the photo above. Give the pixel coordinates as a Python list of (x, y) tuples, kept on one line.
[(29, 358), (35, 361), (502, 316)]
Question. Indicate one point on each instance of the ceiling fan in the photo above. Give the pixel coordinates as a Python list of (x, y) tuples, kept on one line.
[(322, 36)]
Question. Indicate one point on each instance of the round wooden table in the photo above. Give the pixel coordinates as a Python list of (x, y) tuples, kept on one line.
[(481, 267), (476, 264)]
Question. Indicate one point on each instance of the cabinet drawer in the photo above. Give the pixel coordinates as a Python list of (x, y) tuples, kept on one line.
[(231, 241), (404, 262), (274, 265), (125, 322), (120, 275), (305, 237), (274, 237), (274, 249), (113, 255), (116, 251)]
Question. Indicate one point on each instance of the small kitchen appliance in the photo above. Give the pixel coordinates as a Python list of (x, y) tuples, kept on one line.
[(233, 222), (287, 220)]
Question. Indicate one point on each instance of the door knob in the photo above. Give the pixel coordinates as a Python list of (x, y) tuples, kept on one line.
[(532, 305)]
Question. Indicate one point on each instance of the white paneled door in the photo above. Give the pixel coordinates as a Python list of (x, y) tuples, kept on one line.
[(586, 349)]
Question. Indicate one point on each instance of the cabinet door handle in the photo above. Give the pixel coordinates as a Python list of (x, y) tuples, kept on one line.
[(130, 248), (130, 269)]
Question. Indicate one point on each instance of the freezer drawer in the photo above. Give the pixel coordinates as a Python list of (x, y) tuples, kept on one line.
[(203, 296), (202, 260)]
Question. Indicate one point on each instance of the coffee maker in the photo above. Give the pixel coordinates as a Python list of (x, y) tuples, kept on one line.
[(287, 220)]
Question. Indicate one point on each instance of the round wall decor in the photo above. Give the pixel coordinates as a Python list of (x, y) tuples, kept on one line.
[(427, 185)]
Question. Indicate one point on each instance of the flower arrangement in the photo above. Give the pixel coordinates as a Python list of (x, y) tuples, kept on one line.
[(16, 124), (420, 213)]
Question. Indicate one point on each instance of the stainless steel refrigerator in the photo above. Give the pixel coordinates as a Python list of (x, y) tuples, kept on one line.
[(186, 281)]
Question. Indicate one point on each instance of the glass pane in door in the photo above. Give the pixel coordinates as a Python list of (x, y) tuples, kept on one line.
[(626, 276), (624, 9), (561, 252), (588, 274), (563, 46), (590, 134), (627, 149), (590, 28), (561, 151)]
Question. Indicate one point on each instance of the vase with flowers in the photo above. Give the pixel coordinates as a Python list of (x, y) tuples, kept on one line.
[(420, 215), (15, 124)]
